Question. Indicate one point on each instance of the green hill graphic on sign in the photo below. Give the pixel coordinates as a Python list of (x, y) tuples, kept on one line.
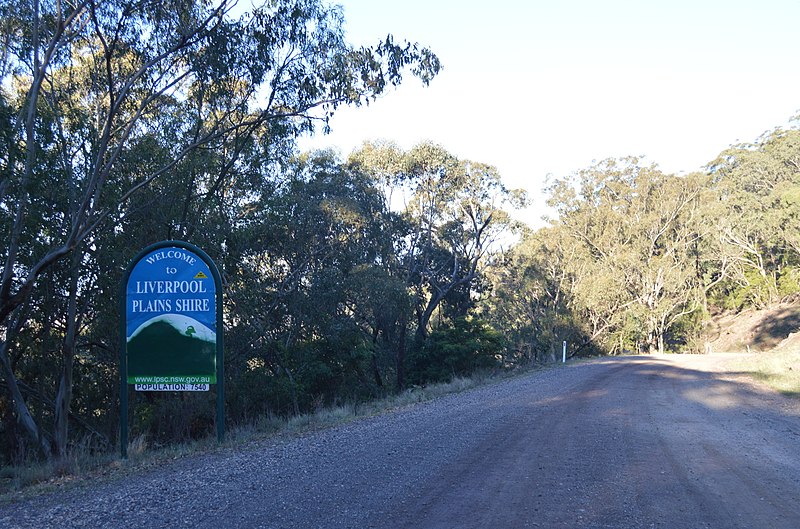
[(172, 348)]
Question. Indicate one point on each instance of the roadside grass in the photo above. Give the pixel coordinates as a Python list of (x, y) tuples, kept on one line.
[(53, 474), (26, 480), (779, 369)]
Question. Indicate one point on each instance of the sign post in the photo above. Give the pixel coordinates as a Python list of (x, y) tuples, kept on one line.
[(171, 326)]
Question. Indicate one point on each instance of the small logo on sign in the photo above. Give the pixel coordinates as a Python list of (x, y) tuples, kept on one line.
[(201, 275)]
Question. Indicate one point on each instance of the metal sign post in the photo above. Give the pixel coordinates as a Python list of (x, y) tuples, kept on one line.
[(171, 331)]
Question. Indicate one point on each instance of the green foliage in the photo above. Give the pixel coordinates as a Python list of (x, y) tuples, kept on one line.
[(125, 123), (753, 215), (458, 350), (454, 217), (619, 265), (789, 281), (637, 259), (756, 291)]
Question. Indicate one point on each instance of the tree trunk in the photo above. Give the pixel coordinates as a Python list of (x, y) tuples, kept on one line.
[(64, 393), (63, 399), (425, 317), (292, 389), (376, 372), (21, 410), (401, 354)]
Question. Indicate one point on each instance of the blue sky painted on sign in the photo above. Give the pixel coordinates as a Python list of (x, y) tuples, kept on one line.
[(170, 281), (538, 88)]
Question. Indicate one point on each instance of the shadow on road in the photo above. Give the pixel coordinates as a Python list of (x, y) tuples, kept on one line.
[(631, 442)]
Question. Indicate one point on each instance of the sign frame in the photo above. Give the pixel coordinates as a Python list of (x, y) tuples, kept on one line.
[(123, 364)]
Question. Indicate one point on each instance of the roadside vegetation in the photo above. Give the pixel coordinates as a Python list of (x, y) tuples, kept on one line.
[(346, 279), (780, 370), (769, 341), (17, 481)]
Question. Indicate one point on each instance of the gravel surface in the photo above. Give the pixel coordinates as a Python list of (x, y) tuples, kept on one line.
[(672, 442)]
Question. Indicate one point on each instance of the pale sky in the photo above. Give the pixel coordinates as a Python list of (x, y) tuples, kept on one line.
[(538, 88)]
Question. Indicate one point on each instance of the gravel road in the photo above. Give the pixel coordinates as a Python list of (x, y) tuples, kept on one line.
[(626, 442)]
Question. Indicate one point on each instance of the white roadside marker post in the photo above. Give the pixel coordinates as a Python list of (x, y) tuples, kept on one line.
[(564, 352)]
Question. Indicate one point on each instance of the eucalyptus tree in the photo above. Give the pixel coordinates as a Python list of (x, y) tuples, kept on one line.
[(535, 296), (89, 88), (638, 229), (454, 210), (754, 210), (309, 294)]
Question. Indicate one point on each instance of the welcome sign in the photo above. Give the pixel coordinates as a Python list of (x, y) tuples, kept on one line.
[(171, 321), (171, 329)]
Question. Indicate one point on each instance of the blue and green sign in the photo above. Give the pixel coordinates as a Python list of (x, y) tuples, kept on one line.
[(171, 320), (171, 324)]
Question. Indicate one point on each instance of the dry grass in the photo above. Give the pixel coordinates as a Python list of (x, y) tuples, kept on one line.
[(779, 369), (48, 475), (771, 335), (33, 478)]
